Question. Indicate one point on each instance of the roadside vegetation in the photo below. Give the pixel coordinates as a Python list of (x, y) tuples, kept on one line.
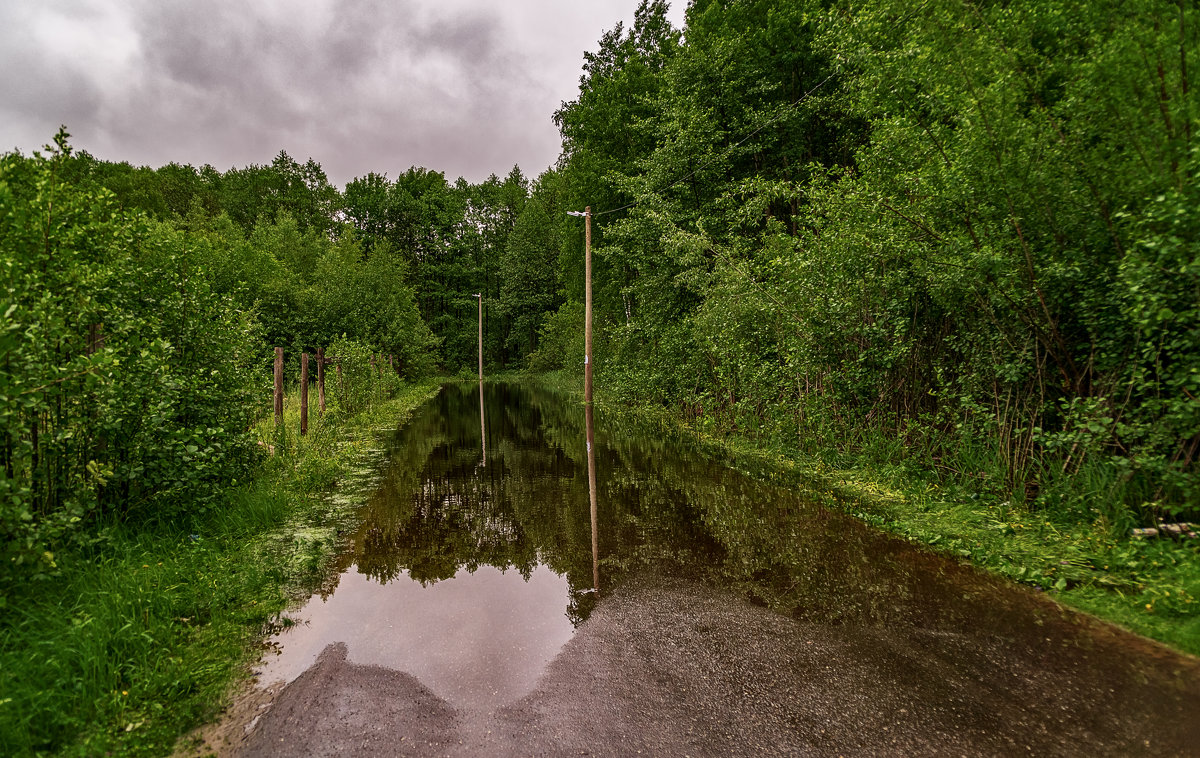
[(139, 635), (153, 520)]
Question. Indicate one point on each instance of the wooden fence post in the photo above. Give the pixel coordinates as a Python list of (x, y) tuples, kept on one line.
[(278, 386), (303, 394), (321, 381)]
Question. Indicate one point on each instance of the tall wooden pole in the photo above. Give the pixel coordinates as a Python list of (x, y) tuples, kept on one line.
[(587, 319), (587, 393), (278, 386)]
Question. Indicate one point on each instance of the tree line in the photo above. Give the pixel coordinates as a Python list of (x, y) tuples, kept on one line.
[(141, 307)]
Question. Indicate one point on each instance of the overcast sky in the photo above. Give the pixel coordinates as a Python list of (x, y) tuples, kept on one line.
[(467, 87)]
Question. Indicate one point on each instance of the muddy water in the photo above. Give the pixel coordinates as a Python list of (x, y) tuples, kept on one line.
[(480, 554)]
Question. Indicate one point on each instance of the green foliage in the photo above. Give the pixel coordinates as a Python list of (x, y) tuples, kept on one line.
[(529, 288), (136, 640), (363, 378), (1161, 281), (125, 386), (560, 341), (451, 239), (968, 229)]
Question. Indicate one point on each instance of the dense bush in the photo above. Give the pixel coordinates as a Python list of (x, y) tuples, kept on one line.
[(125, 386)]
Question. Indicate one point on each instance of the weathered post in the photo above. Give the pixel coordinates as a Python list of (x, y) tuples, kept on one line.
[(278, 386), (93, 339), (480, 297), (303, 394), (321, 381)]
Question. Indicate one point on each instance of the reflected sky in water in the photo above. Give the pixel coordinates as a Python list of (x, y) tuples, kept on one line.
[(477, 640)]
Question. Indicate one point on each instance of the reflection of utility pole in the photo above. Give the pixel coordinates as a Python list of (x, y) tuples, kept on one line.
[(591, 453), (482, 425)]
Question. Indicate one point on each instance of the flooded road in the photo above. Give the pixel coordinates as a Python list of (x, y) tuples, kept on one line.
[(495, 604)]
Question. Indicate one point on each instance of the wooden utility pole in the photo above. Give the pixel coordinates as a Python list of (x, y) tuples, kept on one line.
[(303, 394), (587, 389), (278, 386), (587, 298)]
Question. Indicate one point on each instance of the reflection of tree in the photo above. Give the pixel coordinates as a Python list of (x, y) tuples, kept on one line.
[(439, 510), (660, 503)]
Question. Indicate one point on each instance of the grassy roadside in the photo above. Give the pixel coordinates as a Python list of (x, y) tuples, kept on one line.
[(1148, 586), (137, 639)]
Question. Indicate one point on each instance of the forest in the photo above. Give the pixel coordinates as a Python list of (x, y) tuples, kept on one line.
[(959, 238)]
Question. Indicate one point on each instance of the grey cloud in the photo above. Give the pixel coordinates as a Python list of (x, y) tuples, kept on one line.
[(372, 85)]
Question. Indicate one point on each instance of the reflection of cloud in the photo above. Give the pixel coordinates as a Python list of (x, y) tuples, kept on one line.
[(478, 639), (454, 85)]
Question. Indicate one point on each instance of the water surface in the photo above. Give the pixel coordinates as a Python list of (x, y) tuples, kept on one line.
[(480, 553)]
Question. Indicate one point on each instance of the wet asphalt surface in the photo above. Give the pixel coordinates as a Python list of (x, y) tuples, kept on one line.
[(671, 667)]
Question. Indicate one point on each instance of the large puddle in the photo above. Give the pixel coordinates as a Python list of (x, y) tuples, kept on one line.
[(483, 549)]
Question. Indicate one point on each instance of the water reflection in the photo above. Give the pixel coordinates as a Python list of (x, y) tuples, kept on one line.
[(441, 519), (589, 412), (482, 428), (478, 640)]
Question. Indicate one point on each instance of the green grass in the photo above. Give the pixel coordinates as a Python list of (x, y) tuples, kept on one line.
[(137, 639)]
